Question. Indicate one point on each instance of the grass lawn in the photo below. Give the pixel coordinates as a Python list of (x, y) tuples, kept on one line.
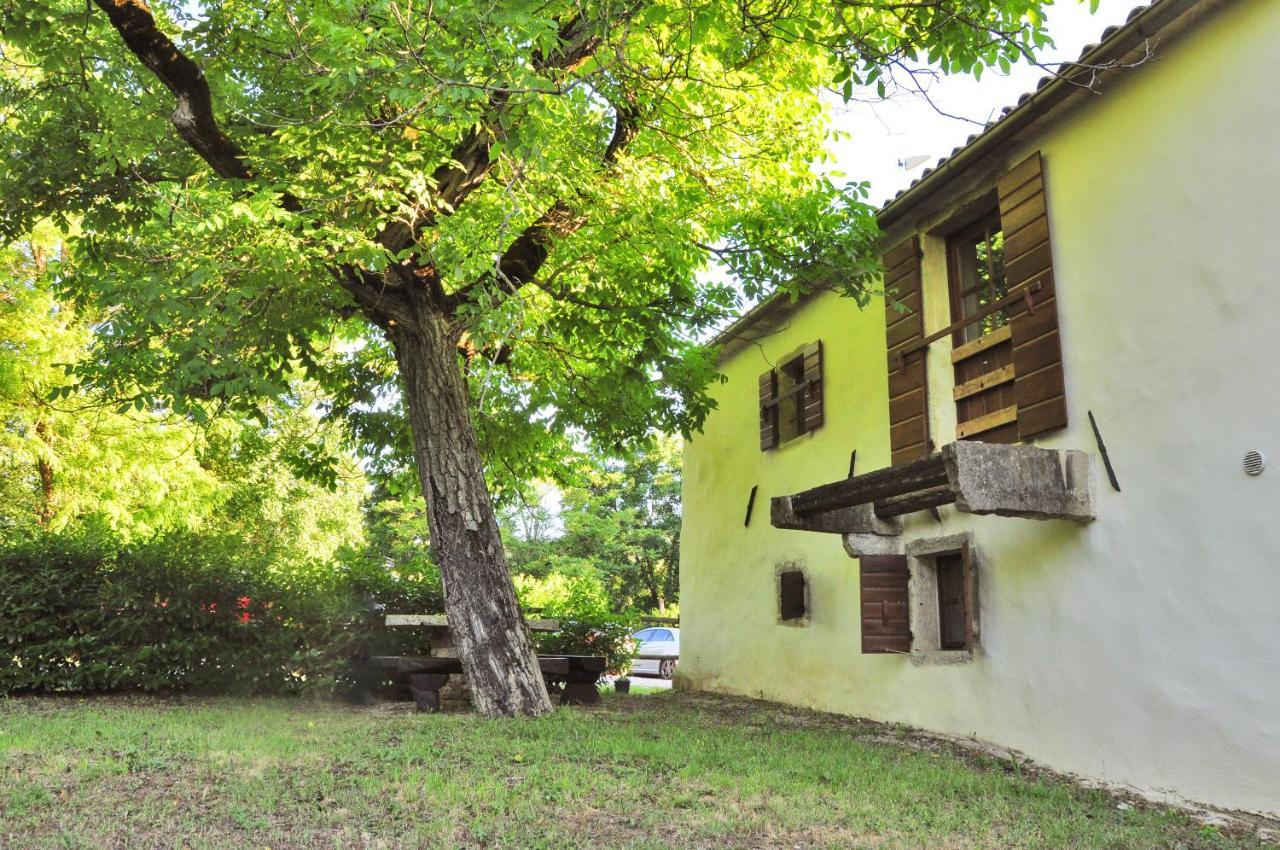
[(655, 770)]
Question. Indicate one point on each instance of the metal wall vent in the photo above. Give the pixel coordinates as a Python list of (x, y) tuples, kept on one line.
[(1254, 462)]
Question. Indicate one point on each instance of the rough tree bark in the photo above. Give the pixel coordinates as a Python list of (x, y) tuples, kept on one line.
[(484, 617)]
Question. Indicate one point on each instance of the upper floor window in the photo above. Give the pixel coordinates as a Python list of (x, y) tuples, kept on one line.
[(983, 353), (1007, 359), (978, 277), (791, 397)]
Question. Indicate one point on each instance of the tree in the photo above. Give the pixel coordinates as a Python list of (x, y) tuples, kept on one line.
[(71, 457), (514, 202), (621, 524)]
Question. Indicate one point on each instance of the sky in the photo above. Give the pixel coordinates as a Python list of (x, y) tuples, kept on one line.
[(907, 125)]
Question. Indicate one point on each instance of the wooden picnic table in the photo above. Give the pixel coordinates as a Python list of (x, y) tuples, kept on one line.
[(428, 674), (441, 621)]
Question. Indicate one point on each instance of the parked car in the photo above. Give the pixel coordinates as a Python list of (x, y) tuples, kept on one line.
[(658, 652)]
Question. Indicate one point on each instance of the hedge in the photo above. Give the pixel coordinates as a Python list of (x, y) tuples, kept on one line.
[(82, 614)]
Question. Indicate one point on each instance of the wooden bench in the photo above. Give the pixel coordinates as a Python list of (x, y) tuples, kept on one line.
[(428, 674)]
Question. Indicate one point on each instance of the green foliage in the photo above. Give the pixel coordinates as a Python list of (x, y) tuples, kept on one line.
[(87, 613), (621, 527), (219, 292), (588, 626), (71, 457)]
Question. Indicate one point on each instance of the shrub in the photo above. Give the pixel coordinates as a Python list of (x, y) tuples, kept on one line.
[(85, 613)]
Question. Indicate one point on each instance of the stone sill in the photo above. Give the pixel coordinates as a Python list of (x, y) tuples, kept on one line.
[(941, 657)]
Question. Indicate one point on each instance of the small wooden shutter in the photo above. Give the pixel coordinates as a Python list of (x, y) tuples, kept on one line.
[(791, 595), (1039, 386), (886, 627), (812, 413), (908, 393), (768, 410)]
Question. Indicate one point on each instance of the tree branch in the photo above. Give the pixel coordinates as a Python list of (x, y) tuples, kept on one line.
[(469, 162), (194, 120), (526, 255), (193, 115)]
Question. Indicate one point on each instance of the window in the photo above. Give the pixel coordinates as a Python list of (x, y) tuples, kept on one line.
[(792, 604), (660, 635), (953, 607), (924, 603), (983, 356), (644, 635), (978, 278), (791, 397), (1009, 382)]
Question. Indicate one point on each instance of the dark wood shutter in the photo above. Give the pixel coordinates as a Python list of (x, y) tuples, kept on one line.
[(811, 415), (953, 610), (908, 392), (791, 595), (768, 410), (886, 626), (1039, 386)]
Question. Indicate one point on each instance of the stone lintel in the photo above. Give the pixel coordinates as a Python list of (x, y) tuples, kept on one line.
[(1021, 481), (858, 545)]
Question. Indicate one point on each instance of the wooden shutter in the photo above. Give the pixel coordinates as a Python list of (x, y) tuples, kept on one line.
[(1039, 386), (811, 415), (953, 609), (886, 626), (791, 604), (768, 410), (908, 393)]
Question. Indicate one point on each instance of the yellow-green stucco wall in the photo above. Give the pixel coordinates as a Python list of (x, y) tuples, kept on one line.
[(1142, 648)]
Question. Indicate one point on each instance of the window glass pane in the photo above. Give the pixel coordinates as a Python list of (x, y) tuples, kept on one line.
[(980, 278), (643, 634), (661, 634)]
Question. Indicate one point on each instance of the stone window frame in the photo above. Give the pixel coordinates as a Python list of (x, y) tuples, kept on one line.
[(922, 599)]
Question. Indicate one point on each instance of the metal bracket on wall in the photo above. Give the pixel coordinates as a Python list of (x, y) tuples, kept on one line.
[(1102, 450), (751, 503)]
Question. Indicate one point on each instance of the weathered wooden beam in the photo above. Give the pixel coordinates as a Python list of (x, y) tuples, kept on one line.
[(924, 474), (912, 502)]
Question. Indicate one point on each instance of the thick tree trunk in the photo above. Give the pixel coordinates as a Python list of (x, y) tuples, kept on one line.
[(484, 618)]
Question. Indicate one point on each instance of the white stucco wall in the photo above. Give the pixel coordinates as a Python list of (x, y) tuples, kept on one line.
[(1143, 648)]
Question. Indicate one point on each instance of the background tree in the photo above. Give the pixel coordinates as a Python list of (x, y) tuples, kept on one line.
[(280, 480), (620, 525), (512, 202)]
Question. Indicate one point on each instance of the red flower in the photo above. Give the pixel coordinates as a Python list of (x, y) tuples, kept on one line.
[(243, 602)]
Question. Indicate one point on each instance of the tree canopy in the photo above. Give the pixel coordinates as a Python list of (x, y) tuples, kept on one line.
[(644, 138)]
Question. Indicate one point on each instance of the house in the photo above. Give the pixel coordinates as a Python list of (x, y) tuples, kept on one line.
[(1062, 530)]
